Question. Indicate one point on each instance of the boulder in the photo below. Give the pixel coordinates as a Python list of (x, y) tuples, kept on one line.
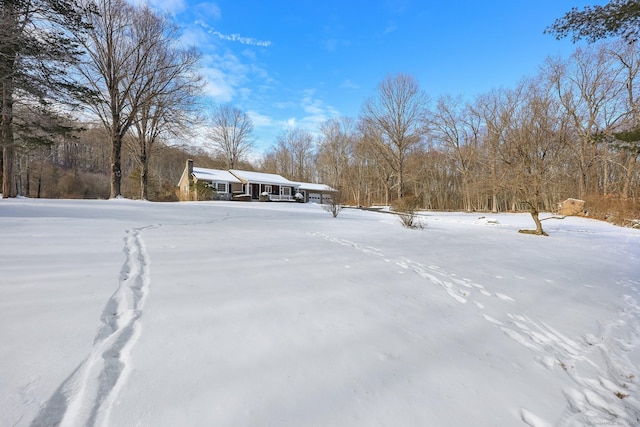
[(571, 207)]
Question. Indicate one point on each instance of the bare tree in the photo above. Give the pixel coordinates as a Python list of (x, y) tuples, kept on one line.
[(586, 88), (118, 61), (497, 109), (231, 134), (398, 111), (166, 91), (379, 159), (335, 149), (452, 126), (627, 136), (534, 147), (294, 152)]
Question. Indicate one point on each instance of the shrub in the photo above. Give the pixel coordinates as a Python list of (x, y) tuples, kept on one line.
[(202, 190), (264, 197), (406, 208), (333, 207), (615, 210)]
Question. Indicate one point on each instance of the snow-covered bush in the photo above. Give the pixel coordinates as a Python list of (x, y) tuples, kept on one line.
[(264, 197)]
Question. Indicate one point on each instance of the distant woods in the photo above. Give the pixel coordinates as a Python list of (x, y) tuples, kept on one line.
[(569, 131), (120, 120)]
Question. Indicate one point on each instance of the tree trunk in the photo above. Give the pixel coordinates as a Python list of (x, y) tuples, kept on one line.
[(7, 171), (116, 169), (533, 210), (467, 192), (400, 181), (536, 219), (6, 132), (144, 175), (629, 176), (27, 189)]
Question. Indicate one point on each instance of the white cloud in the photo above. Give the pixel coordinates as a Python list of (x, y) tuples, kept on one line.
[(241, 39), (317, 111), (290, 122), (195, 37), (210, 10), (311, 106), (216, 85), (260, 120), (234, 37), (225, 75), (307, 113)]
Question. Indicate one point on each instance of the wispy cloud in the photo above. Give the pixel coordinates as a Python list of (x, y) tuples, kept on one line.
[(207, 9), (390, 28), (259, 119), (225, 76), (306, 112), (348, 84), (332, 44), (398, 7), (315, 112), (234, 37)]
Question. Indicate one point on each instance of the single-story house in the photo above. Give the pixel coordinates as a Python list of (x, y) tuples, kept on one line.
[(275, 186), (223, 182), (247, 185)]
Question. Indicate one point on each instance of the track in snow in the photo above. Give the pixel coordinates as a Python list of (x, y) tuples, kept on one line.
[(600, 395), (89, 392)]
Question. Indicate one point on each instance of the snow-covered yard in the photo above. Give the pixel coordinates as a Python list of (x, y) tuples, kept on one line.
[(124, 313)]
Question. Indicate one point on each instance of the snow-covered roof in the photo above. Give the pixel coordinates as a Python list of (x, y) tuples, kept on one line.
[(309, 186), (204, 174), (263, 178)]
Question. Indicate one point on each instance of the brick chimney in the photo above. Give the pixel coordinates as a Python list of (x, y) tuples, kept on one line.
[(189, 168)]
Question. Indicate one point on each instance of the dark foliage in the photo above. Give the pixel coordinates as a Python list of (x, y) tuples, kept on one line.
[(38, 43), (616, 18)]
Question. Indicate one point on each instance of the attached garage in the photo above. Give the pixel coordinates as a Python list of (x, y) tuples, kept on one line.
[(316, 193), (315, 197)]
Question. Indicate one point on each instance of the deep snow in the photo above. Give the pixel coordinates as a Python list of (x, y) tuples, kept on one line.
[(124, 313)]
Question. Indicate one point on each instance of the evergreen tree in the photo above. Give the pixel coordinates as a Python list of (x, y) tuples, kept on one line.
[(37, 45), (616, 18)]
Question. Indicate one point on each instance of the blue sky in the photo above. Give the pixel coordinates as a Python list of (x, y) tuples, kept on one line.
[(301, 62)]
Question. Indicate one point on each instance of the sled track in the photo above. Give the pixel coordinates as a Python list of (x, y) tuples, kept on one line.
[(90, 391)]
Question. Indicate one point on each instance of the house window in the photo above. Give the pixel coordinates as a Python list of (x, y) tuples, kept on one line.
[(221, 187), (267, 188), (286, 191)]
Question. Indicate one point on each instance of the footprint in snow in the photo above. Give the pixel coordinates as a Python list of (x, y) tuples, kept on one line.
[(504, 297), (492, 320)]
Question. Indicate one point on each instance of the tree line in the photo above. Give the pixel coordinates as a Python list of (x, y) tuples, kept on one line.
[(96, 93), (569, 131)]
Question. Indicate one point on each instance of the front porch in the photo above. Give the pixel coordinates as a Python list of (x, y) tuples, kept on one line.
[(275, 193)]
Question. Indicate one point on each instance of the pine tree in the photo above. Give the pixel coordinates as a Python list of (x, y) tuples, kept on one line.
[(37, 45), (616, 18)]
